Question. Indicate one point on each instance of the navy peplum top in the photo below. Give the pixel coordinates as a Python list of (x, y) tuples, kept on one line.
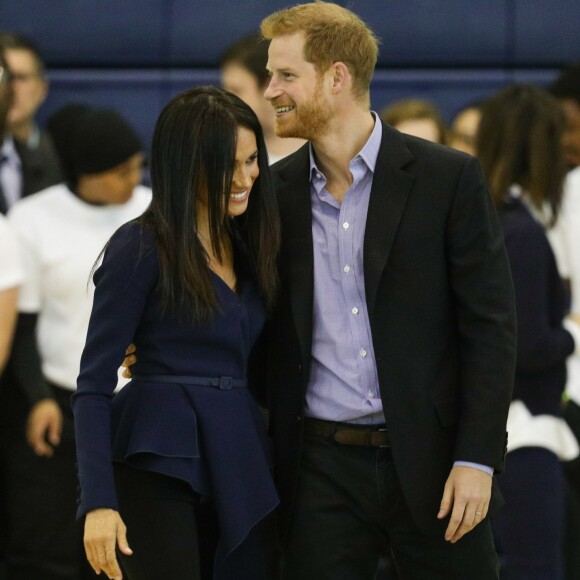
[(213, 437)]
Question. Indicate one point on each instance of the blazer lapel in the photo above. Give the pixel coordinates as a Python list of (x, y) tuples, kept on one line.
[(293, 188), (389, 193)]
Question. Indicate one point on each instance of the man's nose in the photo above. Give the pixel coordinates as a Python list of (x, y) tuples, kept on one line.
[(272, 90)]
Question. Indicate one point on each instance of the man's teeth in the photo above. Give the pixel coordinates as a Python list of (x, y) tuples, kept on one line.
[(284, 109), (239, 195)]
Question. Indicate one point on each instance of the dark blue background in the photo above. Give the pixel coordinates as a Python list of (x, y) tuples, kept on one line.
[(136, 54)]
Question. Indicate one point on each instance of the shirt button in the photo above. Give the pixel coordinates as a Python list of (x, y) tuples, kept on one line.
[(318, 175), (371, 395), (346, 269), (363, 352), (355, 310), (345, 225)]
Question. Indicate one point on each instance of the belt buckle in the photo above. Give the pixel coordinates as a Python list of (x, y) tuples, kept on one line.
[(383, 430), (226, 383)]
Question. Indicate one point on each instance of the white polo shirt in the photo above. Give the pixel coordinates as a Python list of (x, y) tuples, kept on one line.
[(11, 274)]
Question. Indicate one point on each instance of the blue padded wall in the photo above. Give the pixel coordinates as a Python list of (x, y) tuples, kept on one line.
[(194, 33), (546, 32), (136, 54)]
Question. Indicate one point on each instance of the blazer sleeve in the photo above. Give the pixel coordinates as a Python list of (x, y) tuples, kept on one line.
[(123, 283), (485, 311)]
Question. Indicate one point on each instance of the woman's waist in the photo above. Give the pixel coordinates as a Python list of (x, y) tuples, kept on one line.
[(224, 382)]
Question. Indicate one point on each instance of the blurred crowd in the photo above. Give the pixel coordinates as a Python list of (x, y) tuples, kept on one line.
[(65, 189)]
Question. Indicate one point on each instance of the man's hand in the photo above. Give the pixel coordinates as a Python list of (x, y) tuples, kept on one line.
[(44, 427), (104, 531), (129, 361), (467, 491)]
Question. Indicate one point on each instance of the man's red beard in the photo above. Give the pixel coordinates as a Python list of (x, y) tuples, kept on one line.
[(309, 120)]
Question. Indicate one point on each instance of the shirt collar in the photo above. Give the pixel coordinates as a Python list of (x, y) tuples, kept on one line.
[(8, 151), (33, 140), (368, 153)]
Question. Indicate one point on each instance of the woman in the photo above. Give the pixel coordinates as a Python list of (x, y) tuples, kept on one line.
[(519, 144), (187, 283)]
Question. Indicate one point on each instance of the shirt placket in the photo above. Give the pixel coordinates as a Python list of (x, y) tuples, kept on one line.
[(347, 239)]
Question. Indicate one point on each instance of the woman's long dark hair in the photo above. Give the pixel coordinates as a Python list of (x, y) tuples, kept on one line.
[(519, 141), (193, 154)]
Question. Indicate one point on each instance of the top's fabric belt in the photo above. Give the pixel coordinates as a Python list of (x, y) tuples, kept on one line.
[(224, 383)]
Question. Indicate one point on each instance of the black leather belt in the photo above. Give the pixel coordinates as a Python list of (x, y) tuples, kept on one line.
[(362, 435)]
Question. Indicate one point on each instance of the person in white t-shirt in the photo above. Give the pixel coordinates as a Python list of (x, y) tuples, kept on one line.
[(61, 231), (10, 279)]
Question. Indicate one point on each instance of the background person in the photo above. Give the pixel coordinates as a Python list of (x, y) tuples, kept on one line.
[(565, 240), (34, 158), (10, 280), (243, 72), (463, 131), (416, 117), (61, 231), (566, 88), (519, 144)]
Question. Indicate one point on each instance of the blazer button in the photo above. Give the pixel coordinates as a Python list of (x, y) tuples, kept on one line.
[(298, 418), (299, 368)]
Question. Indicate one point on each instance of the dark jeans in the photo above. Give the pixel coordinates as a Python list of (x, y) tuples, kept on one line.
[(529, 529), (174, 534), (350, 511)]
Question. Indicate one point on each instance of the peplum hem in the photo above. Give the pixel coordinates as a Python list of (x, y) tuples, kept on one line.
[(215, 440)]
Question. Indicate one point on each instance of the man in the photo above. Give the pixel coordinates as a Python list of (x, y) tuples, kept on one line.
[(391, 353), (31, 162)]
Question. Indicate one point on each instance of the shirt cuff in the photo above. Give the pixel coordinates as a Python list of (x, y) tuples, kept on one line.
[(484, 468), (574, 329)]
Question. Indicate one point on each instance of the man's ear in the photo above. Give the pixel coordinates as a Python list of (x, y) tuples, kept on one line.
[(341, 78)]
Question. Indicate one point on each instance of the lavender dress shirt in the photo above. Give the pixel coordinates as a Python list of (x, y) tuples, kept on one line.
[(343, 384)]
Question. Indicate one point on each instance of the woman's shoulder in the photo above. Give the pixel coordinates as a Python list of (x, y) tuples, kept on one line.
[(131, 249), (133, 236)]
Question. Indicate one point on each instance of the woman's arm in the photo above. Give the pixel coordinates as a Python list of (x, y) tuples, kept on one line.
[(123, 284)]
